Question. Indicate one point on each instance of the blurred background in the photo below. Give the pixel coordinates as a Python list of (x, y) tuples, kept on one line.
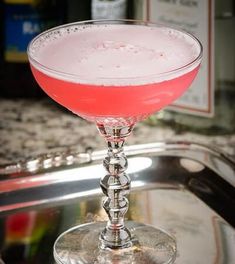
[(30, 123)]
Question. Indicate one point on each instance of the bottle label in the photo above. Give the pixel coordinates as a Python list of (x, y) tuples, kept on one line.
[(24, 20), (103, 9), (196, 17), (22, 23)]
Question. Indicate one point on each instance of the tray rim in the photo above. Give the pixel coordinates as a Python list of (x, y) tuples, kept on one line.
[(178, 149), (47, 163)]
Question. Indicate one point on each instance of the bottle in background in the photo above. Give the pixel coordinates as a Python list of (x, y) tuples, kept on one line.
[(109, 9), (208, 106), (78, 10), (23, 20)]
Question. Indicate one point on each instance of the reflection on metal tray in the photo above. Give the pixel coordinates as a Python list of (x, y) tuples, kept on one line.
[(185, 188)]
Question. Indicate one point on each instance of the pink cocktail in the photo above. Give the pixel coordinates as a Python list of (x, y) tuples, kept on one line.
[(92, 71), (115, 73)]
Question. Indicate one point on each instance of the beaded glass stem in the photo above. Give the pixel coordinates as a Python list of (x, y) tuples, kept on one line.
[(115, 185), (117, 242)]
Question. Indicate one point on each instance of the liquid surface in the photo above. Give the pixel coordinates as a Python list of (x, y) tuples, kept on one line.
[(114, 54)]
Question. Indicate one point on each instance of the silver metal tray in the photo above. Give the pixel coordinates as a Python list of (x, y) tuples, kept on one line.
[(184, 188)]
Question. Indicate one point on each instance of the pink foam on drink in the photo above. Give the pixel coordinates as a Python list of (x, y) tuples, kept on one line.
[(115, 70)]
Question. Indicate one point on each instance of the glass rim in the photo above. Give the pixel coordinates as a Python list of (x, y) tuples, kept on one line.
[(72, 77)]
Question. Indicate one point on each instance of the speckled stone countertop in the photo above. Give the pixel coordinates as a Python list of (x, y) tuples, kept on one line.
[(32, 127)]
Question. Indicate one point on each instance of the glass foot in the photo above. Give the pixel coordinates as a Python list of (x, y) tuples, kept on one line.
[(79, 245)]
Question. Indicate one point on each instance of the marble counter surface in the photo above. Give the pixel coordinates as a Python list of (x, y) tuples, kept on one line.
[(32, 127)]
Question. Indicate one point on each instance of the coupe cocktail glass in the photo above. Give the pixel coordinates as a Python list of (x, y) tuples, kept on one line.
[(114, 73)]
